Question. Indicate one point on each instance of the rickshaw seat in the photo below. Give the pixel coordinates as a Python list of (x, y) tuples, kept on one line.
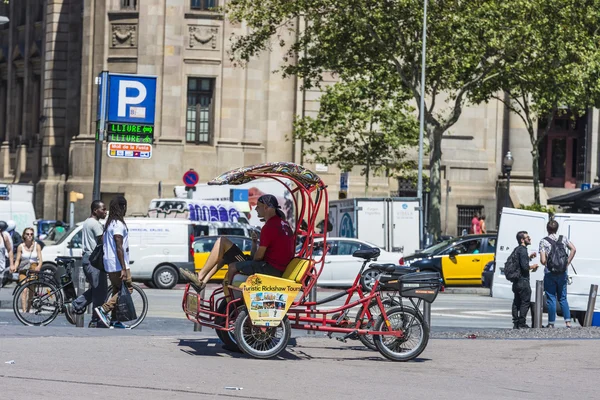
[(296, 269), (294, 272)]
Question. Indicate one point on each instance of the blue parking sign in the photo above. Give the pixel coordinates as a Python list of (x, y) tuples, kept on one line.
[(131, 98)]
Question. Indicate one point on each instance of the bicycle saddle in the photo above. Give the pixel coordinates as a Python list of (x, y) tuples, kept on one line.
[(367, 254), (65, 260), (383, 267)]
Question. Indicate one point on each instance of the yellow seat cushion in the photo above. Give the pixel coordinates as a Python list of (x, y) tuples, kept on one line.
[(296, 269)]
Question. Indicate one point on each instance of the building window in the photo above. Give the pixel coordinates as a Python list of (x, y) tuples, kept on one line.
[(465, 216), (203, 4), (129, 4), (199, 118)]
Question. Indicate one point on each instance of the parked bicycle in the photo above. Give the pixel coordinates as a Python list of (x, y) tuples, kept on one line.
[(47, 296)]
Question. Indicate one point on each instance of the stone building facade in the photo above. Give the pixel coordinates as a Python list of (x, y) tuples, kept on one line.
[(212, 115)]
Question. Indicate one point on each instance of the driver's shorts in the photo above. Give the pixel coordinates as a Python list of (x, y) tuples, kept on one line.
[(247, 266)]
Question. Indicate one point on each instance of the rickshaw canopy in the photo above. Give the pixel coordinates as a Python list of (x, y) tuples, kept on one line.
[(293, 171)]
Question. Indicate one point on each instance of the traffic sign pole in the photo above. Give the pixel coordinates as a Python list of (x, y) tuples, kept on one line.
[(102, 99)]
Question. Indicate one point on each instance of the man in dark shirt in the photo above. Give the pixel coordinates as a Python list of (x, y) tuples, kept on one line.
[(521, 287)]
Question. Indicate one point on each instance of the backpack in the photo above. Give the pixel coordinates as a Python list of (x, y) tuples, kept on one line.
[(512, 271), (558, 257)]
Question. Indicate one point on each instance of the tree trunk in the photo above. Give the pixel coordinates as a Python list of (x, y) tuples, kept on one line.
[(535, 157), (368, 171), (434, 225)]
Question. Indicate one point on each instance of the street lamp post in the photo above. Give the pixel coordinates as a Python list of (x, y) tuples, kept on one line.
[(507, 163), (422, 128)]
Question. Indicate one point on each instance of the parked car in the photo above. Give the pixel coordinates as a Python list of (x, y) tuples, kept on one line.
[(459, 260), (155, 246), (341, 267), (487, 276)]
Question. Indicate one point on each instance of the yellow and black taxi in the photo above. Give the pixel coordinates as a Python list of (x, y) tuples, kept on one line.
[(459, 260)]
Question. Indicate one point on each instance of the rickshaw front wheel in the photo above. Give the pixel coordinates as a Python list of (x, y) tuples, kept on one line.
[(411, 343), (261, 341), (227, 337)]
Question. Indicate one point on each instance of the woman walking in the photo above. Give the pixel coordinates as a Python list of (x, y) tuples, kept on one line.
[(29, 257), (116, 259)]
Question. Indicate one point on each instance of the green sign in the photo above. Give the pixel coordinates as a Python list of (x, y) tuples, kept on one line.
[(130, 138), (131, 128)]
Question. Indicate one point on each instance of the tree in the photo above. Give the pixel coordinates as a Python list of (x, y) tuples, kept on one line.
[(554, 68), (355, 38), (364, 124)]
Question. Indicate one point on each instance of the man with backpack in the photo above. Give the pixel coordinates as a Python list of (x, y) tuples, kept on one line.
[(553, 254), (517, 270)]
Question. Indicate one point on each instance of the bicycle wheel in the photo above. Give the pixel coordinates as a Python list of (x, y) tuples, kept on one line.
[(140, 301), (45, 302), (261, 341), (227, 337), (411, 344), (367, 323)]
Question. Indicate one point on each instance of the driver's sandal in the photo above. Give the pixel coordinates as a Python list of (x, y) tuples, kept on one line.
[(193, 279)]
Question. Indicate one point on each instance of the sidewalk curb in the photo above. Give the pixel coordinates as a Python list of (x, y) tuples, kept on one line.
[(467, 290)]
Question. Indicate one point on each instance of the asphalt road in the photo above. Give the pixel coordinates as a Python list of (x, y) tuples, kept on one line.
[(104, 363), (449, 311)]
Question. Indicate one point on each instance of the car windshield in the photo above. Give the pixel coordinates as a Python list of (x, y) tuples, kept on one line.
[(437, 247), (66, 235)]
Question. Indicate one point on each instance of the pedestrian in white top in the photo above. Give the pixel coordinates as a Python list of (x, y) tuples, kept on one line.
[(96, 294), (116, 258), (29, 257)]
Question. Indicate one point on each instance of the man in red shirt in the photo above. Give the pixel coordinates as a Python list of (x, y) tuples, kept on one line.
[(270, 257)]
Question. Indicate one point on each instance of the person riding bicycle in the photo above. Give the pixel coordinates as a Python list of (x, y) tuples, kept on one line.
[(270, 257)]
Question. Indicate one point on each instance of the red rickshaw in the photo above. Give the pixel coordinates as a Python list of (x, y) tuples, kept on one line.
[(256, 314)]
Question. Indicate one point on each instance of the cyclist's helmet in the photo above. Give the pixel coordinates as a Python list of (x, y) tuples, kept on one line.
[(3, 226), (11, 225)]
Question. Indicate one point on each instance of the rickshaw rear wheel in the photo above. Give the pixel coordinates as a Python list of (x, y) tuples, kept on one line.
[(261, 341), (227, 337), (411, 344), (367, 340)]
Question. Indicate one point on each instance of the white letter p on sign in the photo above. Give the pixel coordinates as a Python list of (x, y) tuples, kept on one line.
[(124, 100)]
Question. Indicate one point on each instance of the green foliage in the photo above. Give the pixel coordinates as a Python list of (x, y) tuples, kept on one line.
[(364, 38), (538, 207), (554, 64), (361, 122)]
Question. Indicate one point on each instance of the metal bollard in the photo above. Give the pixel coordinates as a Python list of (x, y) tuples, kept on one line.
[(80, 282), (538, 310), (312, 297), (589, 314), (427, 313), (197, 326)]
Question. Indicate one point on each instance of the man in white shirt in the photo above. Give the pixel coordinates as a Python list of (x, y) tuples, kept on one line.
[(116, 258)]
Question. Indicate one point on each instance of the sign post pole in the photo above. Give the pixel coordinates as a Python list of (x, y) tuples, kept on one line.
[(102, 107)]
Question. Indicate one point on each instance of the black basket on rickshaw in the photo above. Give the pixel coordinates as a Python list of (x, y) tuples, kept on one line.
[(389, 281), (421, 285)]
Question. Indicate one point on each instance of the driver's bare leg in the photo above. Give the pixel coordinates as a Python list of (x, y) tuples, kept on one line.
[(215, 259)]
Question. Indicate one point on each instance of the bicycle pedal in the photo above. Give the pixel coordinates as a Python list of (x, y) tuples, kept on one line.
[(351, 336)]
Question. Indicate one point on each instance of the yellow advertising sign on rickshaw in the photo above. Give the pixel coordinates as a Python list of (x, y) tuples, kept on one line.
[(268, 298)]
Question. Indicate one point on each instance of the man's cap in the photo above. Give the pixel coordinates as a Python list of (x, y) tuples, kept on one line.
[(3, 226), (271, 201)]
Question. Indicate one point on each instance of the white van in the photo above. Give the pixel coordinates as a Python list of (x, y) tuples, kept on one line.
[(581, 229), (21, 212), (154, 246)]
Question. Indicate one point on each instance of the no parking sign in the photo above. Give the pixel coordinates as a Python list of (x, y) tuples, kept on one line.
[(191, 178)]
